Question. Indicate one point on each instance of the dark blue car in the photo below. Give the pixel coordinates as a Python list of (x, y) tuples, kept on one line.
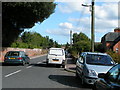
[(110, 80), (16, 57)]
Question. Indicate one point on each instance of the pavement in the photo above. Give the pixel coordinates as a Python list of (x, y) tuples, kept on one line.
[(70, 66)]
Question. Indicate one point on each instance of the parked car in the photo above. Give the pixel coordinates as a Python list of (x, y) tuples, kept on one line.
[(110, 80), (90, 64), (16, 57), (56, 56)]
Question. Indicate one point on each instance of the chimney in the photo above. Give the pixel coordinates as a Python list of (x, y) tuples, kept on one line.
[(117, 30)]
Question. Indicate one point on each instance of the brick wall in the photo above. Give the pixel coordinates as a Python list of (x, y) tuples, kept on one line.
[(116, 48), (29, 52)]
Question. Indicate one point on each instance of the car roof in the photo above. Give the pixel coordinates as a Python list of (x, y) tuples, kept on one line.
[(15, 51), (95, 53), (57, 48)]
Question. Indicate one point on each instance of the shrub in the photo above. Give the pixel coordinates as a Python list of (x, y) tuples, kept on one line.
[(115, 56)]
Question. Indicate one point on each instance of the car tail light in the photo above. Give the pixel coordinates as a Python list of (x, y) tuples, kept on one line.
[(19, 58), (6, 58)]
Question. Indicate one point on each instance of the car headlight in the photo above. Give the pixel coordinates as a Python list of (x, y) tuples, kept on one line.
[(92, 72)]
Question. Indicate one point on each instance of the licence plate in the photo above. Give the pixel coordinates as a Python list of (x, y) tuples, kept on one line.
[(55, 59), (12, 58)]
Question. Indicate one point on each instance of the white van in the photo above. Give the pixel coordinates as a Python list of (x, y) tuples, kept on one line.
[(56, 56)]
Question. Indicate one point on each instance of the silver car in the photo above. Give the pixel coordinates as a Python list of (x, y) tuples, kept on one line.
[(90, 64)]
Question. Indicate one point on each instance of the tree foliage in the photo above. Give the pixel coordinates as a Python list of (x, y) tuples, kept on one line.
[(34, 40), (99, 47), (19, 15), (81, 43)]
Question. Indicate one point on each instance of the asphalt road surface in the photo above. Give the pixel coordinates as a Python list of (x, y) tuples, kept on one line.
[(38, 75)]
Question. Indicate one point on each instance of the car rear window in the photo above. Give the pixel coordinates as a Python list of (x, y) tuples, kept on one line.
[(99, 59), (12, 54), (56, 52)]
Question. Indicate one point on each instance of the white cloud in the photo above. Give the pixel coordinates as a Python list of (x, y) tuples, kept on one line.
[(74, 6), (63, 30), (66, 25), (57, 32), (107, 11), (87, 0)]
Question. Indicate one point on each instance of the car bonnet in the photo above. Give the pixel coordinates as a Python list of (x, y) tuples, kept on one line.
[(99, 68)]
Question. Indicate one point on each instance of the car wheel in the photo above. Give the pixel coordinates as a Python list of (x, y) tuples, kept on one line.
[(23, 63), (28, 63), (82, 80), (76, 74), (63, 66), (47, 64), (58, 66), (94, 87)]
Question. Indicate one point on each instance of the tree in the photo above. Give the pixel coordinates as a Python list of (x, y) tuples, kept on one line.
[(19, 15), (67, 45), (79, 37), (81, 43), (34, 40), (99, 47)]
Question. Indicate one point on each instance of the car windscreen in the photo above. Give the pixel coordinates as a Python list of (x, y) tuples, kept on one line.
[(12, 54), (56, 52), (99, 59)]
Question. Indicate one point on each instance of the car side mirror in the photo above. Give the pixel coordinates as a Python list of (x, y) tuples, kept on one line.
[(101, 75)]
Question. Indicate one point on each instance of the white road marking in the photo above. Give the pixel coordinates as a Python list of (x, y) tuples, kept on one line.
[(44, 60), (39, 62), (12, 73), (29, 67)]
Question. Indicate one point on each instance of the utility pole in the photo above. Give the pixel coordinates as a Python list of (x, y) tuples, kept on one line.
[(92, 27), (70, 38), (92, 23)]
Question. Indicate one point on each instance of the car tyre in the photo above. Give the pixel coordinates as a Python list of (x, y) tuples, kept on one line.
[(58, 66), (23, 63), (29, 63), (82, 80), (47, 64), (76, 74), (94, 87), (63, 66)]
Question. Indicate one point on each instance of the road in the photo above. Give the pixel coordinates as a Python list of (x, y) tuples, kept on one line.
[(38, 75)]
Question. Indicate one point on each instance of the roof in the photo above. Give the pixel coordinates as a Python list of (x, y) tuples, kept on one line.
[(95, 53), (15, 51), (56, 48), (111, 36)]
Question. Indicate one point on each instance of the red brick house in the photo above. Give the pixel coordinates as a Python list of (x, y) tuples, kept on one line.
[(111, 41)]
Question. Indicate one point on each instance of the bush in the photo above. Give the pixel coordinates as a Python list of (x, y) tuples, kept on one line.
[(19, 44), (73, 52), (115, 56)]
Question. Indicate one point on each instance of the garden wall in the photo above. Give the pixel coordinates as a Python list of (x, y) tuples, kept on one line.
[(29, 52)]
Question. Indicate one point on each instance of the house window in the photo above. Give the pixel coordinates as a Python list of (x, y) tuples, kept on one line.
[(116, 50)]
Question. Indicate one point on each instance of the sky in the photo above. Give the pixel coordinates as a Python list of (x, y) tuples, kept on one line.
[(71, 15)]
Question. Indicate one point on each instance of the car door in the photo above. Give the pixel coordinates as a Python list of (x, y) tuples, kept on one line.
[(22, 55), (111, 79), (80, 65), (26, 57)]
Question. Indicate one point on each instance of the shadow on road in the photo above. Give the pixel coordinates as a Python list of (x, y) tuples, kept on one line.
[(44, 65), (71, 81), (3, 64)]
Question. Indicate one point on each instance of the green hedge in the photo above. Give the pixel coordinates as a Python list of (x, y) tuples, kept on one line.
[(115, 56)]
